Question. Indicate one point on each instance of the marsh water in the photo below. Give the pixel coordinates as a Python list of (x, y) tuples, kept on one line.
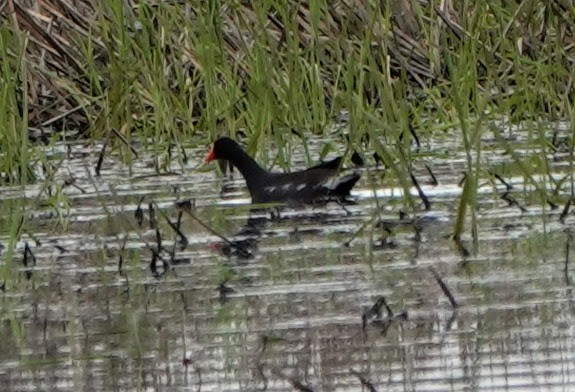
[(375, 296)]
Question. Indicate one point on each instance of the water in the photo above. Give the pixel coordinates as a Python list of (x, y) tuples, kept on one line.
[(92, 313)]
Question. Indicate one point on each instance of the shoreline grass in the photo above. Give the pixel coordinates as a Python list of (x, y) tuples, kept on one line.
[(169, 70), (161, 73)]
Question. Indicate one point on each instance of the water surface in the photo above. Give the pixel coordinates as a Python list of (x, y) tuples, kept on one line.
[(329, 299)]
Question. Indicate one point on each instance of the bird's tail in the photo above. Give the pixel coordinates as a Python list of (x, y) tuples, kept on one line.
[(345, 184)]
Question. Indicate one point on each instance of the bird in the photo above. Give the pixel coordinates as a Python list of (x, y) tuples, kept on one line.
[(316, 184)]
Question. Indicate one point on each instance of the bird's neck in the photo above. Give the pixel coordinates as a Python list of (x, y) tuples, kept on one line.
[(251, 171)]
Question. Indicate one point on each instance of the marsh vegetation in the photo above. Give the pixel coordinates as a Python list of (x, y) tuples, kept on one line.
[(452, 271)]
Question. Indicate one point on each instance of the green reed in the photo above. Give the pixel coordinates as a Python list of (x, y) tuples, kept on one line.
[(168, 74)]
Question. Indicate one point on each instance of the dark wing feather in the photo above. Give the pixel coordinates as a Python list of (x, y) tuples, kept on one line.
[(334, 165)]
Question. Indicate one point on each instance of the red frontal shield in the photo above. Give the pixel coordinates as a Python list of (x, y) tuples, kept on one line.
[(210, 156)]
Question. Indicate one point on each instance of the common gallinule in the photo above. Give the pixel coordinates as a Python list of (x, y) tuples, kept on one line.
[(316, 184)]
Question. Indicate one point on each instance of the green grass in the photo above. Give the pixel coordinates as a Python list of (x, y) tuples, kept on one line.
[(14, 147), (167, 74)]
